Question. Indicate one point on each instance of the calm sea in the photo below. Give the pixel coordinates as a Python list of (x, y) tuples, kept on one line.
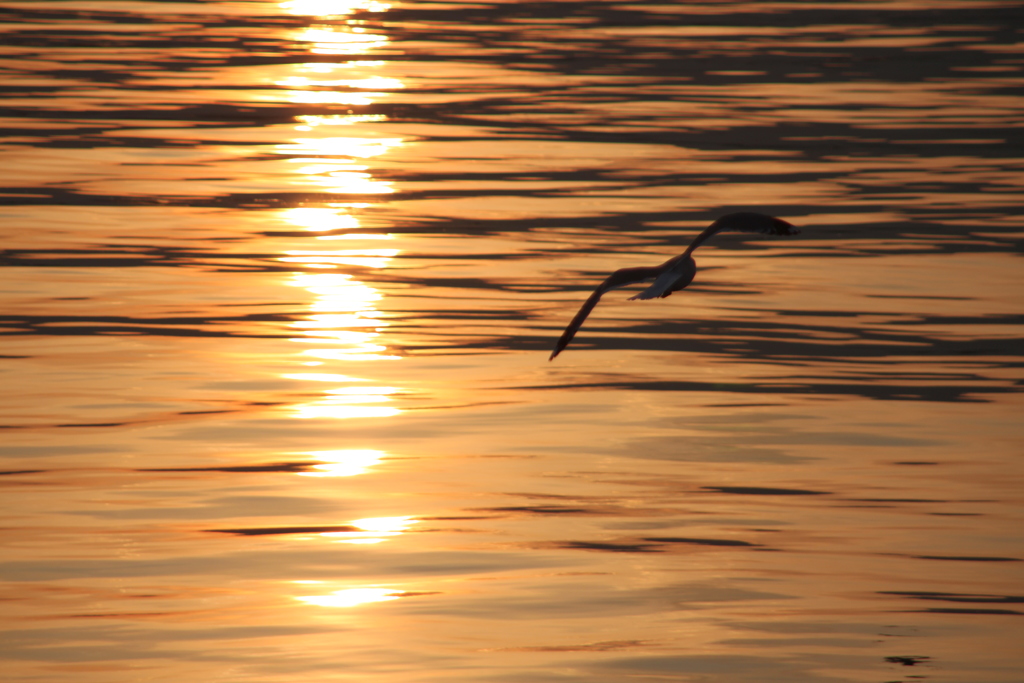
[(280, 282)]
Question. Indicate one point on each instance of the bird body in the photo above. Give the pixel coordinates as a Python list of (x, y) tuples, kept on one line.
[(676, 273)]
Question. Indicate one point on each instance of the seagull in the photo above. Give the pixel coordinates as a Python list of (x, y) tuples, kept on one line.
[(676, 273)]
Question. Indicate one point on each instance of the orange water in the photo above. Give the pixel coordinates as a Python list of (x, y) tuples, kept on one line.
[(281, 280)]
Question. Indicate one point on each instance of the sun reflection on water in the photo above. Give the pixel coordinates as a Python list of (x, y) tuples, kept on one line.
[(322, 377), (323, 8), (361, 394), (344, 324), (330, 97), (370, 531), (320, 220), (370, 83), (331, 40), (370, 258), (310, 121), (348, 402), (328, 163), (343, 463), (350, 597), (362, 148), (326, 408), (374, 530)]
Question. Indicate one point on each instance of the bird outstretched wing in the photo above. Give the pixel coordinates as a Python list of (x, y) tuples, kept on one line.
[(620, 278), (744, 221)]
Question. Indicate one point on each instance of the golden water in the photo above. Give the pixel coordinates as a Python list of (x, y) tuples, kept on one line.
[(279, 285)]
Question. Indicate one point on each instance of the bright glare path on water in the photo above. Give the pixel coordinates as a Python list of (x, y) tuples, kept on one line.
[(280, 282)]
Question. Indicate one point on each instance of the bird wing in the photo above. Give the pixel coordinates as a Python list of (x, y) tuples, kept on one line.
[(620, 278), (744, 222)]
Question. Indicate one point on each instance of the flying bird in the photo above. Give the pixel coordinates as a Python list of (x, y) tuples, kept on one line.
[(676, 273)]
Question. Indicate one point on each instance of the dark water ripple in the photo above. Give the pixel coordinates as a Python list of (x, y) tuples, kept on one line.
[(682, 57)]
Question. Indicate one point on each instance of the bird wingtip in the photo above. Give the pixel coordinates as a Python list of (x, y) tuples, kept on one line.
[(783, 227)]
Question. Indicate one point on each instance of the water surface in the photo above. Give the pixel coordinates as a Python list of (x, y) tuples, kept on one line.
[(279, 286)]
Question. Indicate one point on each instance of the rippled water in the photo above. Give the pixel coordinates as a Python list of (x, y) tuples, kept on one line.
[(281, 280)]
